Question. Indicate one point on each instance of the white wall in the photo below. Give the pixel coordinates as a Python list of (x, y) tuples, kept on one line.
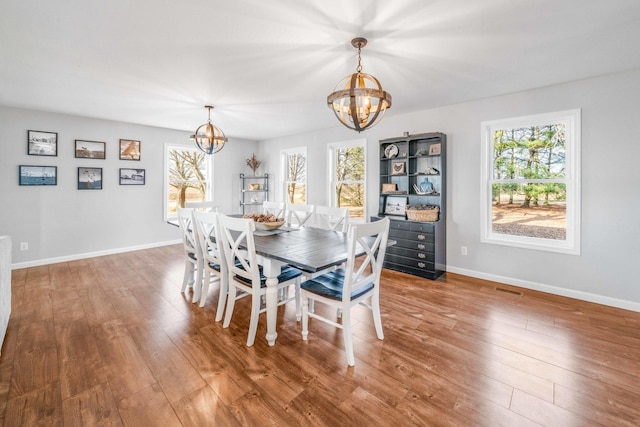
[(608, 269), (61, 222)]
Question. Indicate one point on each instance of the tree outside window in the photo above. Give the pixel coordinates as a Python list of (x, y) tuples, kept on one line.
[(531, 171), (295, 172), (348, 172), (187, 178)]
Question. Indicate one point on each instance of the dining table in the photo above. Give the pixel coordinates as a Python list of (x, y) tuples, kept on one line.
[(306, 248)]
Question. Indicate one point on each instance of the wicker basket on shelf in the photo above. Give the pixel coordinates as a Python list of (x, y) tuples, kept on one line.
[(423, 213)]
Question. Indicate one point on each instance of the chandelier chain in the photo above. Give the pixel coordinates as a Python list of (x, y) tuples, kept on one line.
[(359, 67)]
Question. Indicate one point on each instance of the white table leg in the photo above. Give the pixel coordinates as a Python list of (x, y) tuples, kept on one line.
[(271, 271)]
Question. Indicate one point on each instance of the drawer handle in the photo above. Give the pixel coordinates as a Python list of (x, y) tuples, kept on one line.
[(421, 237), (422, 265), (421, 255), (421, 246)]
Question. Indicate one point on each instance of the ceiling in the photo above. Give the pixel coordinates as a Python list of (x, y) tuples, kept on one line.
[(268, 66)]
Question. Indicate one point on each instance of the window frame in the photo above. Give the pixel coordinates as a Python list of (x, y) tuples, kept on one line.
[(572, 121), (331, 149), (285, 164), (209, 180)]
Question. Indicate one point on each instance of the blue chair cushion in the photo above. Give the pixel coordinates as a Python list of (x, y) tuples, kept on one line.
[(330, 285), (286, 273)]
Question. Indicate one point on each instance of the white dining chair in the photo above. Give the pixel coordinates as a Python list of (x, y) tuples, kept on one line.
[(330, 218), (192, 259), (277, 209), (299, 214), (208, 206), (209, 239), (358, 282), (245, 274)]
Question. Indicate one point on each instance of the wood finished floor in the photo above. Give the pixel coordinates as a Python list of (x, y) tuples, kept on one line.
[(112, 341)]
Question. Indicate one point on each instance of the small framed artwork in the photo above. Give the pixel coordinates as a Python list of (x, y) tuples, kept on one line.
[(42, 143), (132, 176), (398, 168), (434, 150), (395, 205), (90, 149), (37, 175), (89, 178), (129, 149)]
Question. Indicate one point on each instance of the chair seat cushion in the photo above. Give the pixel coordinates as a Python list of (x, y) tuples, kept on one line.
[(330, 285), (286, 273)]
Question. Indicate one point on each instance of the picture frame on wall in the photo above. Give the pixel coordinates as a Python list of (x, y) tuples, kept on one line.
[(90, 149), (129, 149), (395, 205), (89, 178), (37, 175), (434, 150), (40, 143), (132, 176)]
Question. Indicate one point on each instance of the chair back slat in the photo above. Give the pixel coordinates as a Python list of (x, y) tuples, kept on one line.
[(275, 208), (209, 206), (330, 218), (185, 222), (372, 238), (237, 232), (209, 238), (298, 214)]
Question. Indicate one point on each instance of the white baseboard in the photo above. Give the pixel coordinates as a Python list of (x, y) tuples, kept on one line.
[(75, 257), (584, 296)]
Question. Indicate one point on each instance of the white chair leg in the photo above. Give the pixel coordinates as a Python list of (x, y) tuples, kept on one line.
[(311, 305), (305, 315), (197, 285), (253, 323), (298, 300), (186, 279), (348, 339), (204, 289), (222, 298), (339, 313), (231, 302), (377, 319)]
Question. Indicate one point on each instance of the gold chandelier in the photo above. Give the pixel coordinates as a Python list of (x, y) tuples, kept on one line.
[(358, 100), (209, 138)]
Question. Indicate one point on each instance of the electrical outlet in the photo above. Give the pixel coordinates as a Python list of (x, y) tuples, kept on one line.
[(24, 246), (463, 250)]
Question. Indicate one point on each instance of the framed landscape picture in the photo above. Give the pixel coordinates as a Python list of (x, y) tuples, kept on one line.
[(90, 149), (132, 176), (37, 175), (41, 143), (89, 178), (395, 205), (129, 149)]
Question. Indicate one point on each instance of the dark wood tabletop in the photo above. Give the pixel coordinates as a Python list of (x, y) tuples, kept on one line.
[(307, 248)]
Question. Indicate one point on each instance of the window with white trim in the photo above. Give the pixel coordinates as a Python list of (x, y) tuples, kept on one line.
[(294, 166), (188, 173), (531, 182), (347, 162)]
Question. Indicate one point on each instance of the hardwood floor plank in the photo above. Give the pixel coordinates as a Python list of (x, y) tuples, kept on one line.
[(92, 407), (148, 407), (203, 407), (112, 341)]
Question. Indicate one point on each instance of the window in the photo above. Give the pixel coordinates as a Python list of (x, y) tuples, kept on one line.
[(347, 162), (294, 165), (531, 182), (187, 177)]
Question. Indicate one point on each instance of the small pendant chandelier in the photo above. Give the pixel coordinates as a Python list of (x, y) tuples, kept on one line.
[(209, 138), (358, 100)]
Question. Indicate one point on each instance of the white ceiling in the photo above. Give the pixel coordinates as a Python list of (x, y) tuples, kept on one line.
[(268, 65)]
